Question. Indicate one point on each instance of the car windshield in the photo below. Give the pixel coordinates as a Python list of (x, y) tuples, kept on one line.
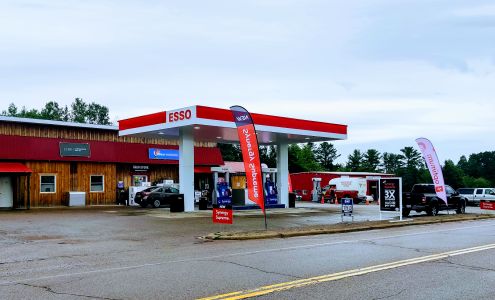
[(171, 190), (465, 191), (428, 189), (156, 190)]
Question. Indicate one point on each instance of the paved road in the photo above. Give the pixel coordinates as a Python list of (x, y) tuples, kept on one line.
[(93, 254)]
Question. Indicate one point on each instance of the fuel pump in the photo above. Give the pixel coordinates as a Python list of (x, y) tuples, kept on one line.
[(316, 189), (222, 194), (270, 186)]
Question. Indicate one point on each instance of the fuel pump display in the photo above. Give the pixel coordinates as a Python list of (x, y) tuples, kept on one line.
[(224, 195), (271, 192)]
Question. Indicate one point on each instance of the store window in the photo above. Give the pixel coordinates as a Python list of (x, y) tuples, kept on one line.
[(48, 183), (97, 183), (137, 180)]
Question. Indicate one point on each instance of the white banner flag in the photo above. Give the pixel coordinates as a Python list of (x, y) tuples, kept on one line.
[(433, 164)]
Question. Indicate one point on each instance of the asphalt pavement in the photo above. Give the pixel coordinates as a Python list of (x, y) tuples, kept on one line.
[(133, 253)]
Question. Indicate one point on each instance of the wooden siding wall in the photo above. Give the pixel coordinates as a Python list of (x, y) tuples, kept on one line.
[(123, 174), (79, 180), (84, 172), (65, 182), (62, 172), (50, 131), (20, 190), (164, 172)]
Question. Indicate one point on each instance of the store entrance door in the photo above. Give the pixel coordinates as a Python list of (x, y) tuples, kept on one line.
[(6, 192), (373, 189)]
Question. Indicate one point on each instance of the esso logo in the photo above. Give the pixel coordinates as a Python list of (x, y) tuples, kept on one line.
[(179, 115)]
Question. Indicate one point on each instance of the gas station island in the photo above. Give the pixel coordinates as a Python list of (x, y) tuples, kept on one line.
[(201, 124)]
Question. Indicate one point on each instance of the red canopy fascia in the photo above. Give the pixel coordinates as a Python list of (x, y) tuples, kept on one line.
[(202, 169), (9, 167)]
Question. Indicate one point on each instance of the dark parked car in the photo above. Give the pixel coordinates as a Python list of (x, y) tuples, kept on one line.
[(139, 195), (424, 198), (159, 196)]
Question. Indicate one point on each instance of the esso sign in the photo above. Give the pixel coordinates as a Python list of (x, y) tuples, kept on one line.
[(179, 115)]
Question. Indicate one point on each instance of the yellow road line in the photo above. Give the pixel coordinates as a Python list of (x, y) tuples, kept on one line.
[(341, 275)]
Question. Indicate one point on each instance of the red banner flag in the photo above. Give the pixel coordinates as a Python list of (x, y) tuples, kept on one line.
[(250, 154)]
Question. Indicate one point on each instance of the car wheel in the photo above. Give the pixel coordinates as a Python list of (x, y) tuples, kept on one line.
[(434, 210), (143, 204), (462, 208), (156, 203)]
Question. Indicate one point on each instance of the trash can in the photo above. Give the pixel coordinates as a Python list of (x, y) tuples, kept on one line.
[(292, 200), (203, 203), (177, 203)]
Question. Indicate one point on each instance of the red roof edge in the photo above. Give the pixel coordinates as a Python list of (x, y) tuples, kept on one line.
[(141, 121)]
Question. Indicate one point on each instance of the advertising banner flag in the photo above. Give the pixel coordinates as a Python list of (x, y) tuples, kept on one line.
[(250, 154), (431, 159)]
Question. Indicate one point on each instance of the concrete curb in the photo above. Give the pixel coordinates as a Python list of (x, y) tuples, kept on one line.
[(338, 228)]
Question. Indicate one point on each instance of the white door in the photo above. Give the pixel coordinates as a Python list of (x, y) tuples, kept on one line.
[(489, 195), (6, 193), (478, 195)]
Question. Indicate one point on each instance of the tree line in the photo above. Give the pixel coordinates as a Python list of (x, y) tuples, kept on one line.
[(79, 112), (477, 170)]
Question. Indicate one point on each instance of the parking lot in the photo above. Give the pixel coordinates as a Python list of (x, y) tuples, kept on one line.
[(129, 226)]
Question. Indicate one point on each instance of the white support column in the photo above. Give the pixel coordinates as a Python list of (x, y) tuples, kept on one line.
[(283, 173), (214, 194), (186, 167)]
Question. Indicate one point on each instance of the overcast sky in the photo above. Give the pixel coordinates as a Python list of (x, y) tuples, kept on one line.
[(391, 70)]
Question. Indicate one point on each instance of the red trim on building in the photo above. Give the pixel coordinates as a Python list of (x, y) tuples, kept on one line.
[(43, 149), (220, 114), (212, 113), (202, 169), (141, 121), (8, 167)]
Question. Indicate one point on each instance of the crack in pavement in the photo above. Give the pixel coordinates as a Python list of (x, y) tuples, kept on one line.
[(391, 296), (50, 290), (104, 254), (375, 243), (448, 262), (257, 269)]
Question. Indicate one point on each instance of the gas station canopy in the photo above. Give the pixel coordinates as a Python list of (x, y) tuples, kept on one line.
[(217, 125), (207, 124)]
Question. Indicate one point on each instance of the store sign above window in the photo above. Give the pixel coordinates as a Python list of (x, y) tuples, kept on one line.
[(75, 149), (140, 168), (165, 154)]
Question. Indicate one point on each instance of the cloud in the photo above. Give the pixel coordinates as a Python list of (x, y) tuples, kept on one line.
[(484, 10), (391, 71)]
